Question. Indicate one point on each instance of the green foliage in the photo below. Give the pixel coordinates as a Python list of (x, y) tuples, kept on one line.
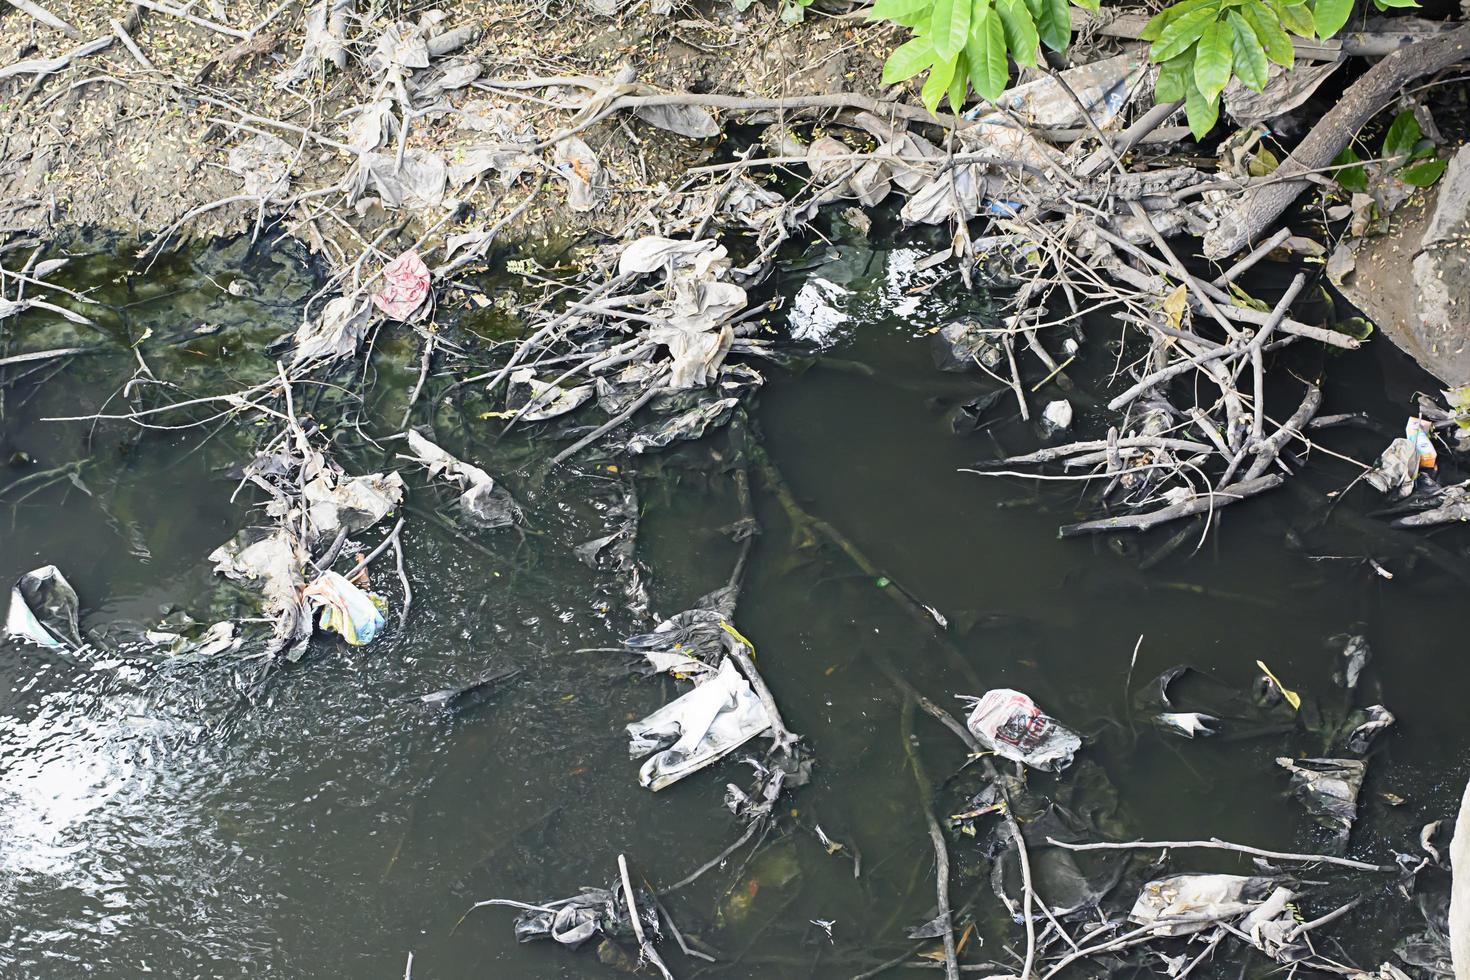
[(1200, 45), (1231, 38), (966, 44), (1406, 154)]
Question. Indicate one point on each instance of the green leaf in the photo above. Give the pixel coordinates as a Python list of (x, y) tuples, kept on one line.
[(1423, 174), (1202, 113), (959, 86), (1181, 33), (1328, 16), (1053, 22), (1092, 6), (1250, 57), (1267, 27), (1295, 17), (937, 84), (986, 53), (1350, 178), (1213, 59), (949, 26), (909, 13), (1173, 76), (1020, 31), (1403, 134), (1158, 21), (1386, 4), (907, 60)]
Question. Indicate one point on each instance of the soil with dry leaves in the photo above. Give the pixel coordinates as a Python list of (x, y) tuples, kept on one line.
[(108, 141)]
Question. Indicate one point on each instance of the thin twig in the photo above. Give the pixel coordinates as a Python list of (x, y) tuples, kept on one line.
[(1214, 843)]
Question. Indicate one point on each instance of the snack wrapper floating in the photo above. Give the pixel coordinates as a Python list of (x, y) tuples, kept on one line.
[(1009, 723)]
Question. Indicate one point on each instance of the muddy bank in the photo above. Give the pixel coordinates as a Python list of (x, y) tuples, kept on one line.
[(138, 136)]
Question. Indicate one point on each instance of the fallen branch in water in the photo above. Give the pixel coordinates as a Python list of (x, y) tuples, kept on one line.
[(645, 948), (1208, 500), (936, 840), (1214, 843)]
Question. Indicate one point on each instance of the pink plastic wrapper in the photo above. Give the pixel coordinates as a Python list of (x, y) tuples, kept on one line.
[(405, 284), (1010, 724)]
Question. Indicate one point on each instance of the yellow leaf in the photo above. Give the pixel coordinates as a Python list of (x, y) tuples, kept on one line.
[(497, 415), (1263, 163), (1175, 304), (1292, 698)]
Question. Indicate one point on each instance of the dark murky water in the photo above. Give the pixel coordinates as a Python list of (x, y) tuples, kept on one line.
[(153, 822)]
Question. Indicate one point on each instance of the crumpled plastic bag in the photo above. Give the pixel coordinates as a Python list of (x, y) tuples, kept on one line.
[(483, 501), (43, 609), (263, 164), (1197, 896), (336, 333), (686, 426), (336, 501), (1377, 719), (1397, 469), (576, 162), (573, 921), (270, 559), (1328, 788), (1010, 724), (405, 284), (346, 609), (546, 400), (697, 729)]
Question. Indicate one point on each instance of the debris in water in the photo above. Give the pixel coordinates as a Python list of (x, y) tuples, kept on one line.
[(455, 699), (346, 609), (1056, 417), (1361, 738), (1199, 901), (1189, 723), (405, 284), (1354, 656), (43, 609), (698, 728), (1010, 724), (1328, 788), (483, 501)]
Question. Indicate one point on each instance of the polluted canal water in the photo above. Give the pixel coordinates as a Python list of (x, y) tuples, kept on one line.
[(179, 811)]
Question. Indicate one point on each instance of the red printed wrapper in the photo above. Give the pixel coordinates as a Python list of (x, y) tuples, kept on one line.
[(1010, 724), (405, 284)]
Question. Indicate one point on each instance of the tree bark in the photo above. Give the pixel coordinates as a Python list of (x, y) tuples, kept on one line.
[(1258, 208)]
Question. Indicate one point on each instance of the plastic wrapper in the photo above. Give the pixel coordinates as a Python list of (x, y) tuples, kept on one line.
[(346, 609), (1328, 788), (1009, 723), (1417, 431), (405, 284), (695, 730), (43, 609), (1197, 901)]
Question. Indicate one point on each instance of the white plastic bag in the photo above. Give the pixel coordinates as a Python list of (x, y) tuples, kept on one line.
[(1010, 724), (706, 724)]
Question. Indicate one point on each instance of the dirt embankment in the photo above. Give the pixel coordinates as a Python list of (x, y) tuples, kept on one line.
[(138, 135)]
